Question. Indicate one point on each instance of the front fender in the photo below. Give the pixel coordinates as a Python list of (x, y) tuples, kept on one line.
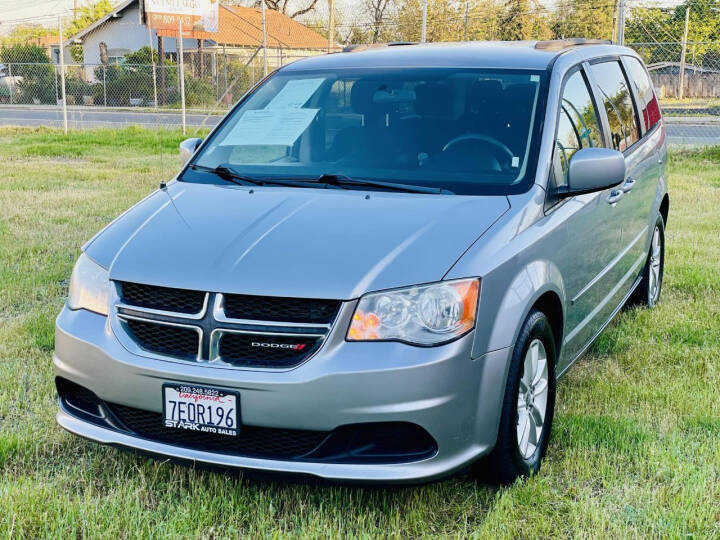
[(506, 302)]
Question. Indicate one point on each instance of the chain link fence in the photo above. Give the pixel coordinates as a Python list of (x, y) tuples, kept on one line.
[(116, 70)]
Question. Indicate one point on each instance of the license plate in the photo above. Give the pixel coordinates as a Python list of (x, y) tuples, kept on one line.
[(201, 409)]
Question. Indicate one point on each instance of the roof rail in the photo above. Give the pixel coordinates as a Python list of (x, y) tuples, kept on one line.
[(560, 44), (365, 47)]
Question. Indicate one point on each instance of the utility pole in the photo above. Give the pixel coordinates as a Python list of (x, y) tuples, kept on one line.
[(264, 39), (152, 61), (181, 64), (681, 92), (75, 9), (423, 31), (465, 26), (331, 29), (613, 39), (621, 22)]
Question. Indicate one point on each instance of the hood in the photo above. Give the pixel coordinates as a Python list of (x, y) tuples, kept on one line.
[(295, 242)]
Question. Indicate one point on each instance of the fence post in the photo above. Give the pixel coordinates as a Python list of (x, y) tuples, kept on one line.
[(182, 73), (161, 59), (57, 92), (423, 30), (264, 39), (681, 91), (331, 26), (152, 61), (62, 78), (10, 82), (225, 71)]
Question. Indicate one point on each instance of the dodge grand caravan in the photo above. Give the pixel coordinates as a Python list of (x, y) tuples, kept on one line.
[(376, 266)]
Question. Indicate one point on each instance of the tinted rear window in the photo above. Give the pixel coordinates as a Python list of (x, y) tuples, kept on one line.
[(650, 109)]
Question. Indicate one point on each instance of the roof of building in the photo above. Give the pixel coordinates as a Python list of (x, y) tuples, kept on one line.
[(237, 26), (48, 40), (114, 14), (485, 54), (242, 27)]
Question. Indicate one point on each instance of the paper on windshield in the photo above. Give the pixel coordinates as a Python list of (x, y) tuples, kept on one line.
[(295, 93), (281, 127)]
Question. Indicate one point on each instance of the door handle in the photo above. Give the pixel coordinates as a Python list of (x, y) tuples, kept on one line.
[(628, 184), (614, 196)]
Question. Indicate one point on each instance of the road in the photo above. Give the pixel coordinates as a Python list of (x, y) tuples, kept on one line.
[(90, 118), (681, 130)]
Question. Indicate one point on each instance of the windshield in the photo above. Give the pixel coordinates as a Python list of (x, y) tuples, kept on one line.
[(467, 131)]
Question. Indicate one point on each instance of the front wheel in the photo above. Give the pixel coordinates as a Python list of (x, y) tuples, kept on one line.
[(528, 405)]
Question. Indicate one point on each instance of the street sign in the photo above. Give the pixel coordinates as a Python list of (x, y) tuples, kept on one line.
[(196, 15)]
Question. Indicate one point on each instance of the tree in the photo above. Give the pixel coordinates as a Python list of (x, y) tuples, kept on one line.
[(444, 21), (292, 11), (376, 11), (87, 15), (483, 19), (521, 20), (657, 32), (32, 61), (37, 80), (22, 34), (583, 18)]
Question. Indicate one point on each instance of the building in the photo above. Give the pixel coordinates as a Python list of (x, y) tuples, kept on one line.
[(51, 44), (239, 35)]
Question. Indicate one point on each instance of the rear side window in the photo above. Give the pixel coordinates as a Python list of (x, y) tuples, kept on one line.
[(617, 102), (578, 126), (648, 103)]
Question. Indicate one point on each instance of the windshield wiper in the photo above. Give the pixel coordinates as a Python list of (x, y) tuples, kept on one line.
[(227, 174), (343, 180), (334, 180)]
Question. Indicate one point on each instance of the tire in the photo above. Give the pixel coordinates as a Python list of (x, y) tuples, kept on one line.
[(517, 453), (647, 293)]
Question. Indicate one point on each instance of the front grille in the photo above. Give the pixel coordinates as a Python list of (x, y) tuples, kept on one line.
[(251, 350), (162, 298), (230, 330), (252, 441), (164, 338), (271, 308)]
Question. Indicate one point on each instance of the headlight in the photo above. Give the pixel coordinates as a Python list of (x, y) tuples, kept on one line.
[(89, 286), (422, 315)]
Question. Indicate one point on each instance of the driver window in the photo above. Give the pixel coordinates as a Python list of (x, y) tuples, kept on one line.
[(578, 127)]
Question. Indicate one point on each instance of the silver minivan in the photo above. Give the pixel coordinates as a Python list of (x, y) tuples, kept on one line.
[(377, 265)]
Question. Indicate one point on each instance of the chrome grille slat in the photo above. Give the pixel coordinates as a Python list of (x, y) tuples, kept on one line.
[(272, 338), (220, 315)]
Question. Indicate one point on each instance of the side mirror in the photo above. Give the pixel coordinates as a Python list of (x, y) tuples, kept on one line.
[(594, 169), (187, 149)]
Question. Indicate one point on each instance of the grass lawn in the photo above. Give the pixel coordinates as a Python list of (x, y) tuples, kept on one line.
[(636, 443)]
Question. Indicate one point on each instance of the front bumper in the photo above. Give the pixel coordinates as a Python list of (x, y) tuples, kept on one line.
[(456, 399)]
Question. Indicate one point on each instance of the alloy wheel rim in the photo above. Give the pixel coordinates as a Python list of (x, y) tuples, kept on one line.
[(532, 399), (655, 263)]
